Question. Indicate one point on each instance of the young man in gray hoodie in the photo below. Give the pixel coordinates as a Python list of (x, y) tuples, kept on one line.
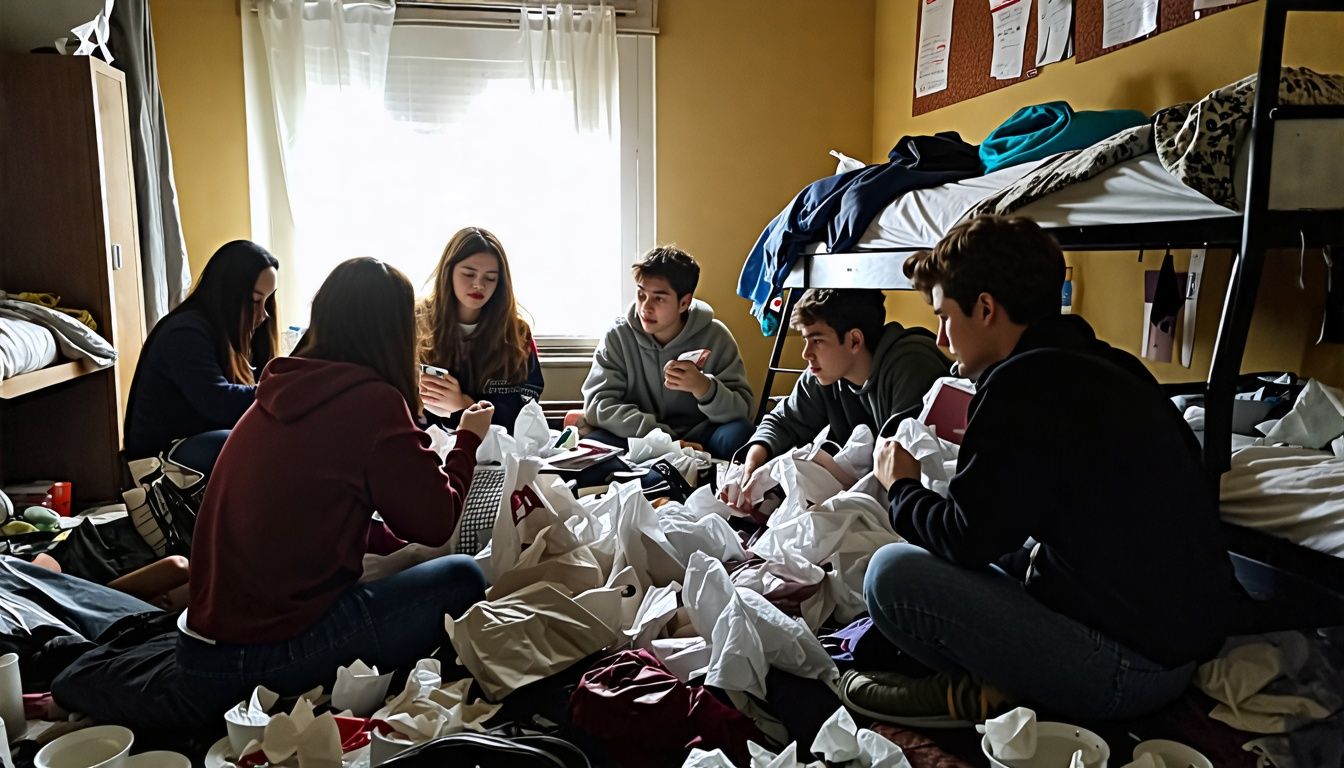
[(859, 371), (639, 380)]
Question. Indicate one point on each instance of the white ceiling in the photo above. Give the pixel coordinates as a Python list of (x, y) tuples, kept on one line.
[(26, 24)]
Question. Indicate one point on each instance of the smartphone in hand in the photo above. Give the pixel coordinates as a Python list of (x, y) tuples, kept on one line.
[(433, 370)]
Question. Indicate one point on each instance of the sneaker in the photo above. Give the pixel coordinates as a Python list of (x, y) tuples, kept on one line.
[(938, 701)]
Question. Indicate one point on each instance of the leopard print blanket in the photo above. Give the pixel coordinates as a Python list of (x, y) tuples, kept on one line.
[(1198, 141)]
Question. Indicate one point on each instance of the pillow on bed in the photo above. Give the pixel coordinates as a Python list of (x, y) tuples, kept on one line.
[(24, 347)]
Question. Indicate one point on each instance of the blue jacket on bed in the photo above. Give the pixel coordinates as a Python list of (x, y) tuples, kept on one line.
[(839, 208)]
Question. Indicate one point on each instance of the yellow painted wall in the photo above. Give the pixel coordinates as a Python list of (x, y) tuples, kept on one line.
[(1180, 65), (751, 96), (200, 57), (745, 117)]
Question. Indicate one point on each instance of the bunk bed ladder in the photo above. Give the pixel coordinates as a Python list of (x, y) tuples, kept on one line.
[(776, 351), (1248, 265)]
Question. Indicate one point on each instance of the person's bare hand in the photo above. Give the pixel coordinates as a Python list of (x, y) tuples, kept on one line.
[(476, 419), (442, 396), (683, 376), (738, 495), (891, 462)]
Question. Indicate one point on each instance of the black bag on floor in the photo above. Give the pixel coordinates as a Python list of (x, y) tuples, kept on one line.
[(164, 504), (494, 751)]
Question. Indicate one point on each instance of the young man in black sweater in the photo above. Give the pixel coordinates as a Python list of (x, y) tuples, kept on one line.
[(1077, 561)]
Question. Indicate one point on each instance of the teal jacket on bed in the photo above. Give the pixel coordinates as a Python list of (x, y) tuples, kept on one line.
[(624, 392), (1042, 130)]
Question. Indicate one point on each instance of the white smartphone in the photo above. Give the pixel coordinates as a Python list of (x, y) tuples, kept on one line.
[(432, 370)]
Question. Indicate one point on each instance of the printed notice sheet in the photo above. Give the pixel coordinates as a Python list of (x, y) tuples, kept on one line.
[(935, 45), (1125, 20), (1010, 37), (1054, 31)]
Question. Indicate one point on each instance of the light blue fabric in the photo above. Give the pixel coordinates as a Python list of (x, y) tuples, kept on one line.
[(1042, 130)]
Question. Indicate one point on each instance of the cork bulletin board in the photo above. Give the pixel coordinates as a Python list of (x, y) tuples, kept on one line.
[(972, 45)]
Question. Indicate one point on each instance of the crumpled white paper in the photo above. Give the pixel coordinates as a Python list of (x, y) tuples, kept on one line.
[(1012, 735), (530, 433), (315, 740), (256, 710), (659, 606), (654, 445), (1077, 761), (937, 458), (747, 633), (94, 33), (1316, 419), (685, 657), (840, 740), (359, 688)]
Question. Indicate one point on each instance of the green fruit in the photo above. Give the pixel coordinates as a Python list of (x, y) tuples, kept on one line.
[(17, 527)]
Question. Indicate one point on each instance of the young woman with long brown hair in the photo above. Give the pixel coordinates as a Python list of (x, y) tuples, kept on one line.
[(470, 327), (198, 369), (277, 548)]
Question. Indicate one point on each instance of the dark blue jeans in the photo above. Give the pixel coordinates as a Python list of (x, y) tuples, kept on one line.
[(984, 622), (389, 623), (723, 440), (175, 681), (200, 452)]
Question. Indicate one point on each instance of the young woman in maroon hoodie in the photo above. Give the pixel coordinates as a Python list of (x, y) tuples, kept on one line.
[(275, 598)]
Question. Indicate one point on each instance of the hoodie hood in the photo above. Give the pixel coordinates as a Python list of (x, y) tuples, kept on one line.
[(293, 387), (698, 317)]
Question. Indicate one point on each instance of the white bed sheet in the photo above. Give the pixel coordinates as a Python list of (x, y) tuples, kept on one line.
[(1292, 493), (1136, 191), (24, 347)]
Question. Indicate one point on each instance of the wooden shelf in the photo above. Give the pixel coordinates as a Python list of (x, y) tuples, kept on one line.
[(26, 383)]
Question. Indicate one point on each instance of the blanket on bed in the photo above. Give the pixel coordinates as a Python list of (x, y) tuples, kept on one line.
[(1198, 141)]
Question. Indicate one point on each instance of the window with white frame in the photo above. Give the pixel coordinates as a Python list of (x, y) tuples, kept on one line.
[(465, 139)]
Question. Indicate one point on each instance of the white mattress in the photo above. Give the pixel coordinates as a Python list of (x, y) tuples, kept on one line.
[(1292, 493), (1307, 155)]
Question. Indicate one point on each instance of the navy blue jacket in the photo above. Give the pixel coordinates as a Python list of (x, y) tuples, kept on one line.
[(179, 389), (508, 397), (839, 208), (1073, 444)]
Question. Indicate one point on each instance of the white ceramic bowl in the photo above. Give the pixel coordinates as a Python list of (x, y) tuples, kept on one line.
[(1173, 753), (241, 734), (1055, 745), (102, 746), (158, 759)]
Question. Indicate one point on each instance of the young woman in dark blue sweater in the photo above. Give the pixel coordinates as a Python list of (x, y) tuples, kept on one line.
[(198, 369), (470, 327)]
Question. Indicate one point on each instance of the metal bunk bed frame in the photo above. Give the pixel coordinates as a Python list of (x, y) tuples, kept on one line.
[(1268, 566)]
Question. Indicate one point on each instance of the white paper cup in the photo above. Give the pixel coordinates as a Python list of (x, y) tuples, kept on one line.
[(383, 748), (6, 759), (158, 759), (1055, 745), (1173, 753), (102, 746), (241, 734), (11, 697)]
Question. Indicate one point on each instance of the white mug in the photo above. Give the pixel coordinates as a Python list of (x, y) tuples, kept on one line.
[(11, 696)]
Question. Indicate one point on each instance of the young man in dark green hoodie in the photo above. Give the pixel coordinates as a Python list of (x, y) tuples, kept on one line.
[(860, 370), (668, 364)]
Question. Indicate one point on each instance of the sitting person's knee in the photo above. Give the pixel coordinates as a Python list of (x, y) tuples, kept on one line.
[(891, 567)]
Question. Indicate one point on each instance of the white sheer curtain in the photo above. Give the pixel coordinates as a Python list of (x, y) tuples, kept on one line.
[(391, 139), (575, 54), (326, 66)]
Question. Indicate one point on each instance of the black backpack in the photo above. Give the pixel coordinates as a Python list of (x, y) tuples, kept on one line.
[(489, 751)]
